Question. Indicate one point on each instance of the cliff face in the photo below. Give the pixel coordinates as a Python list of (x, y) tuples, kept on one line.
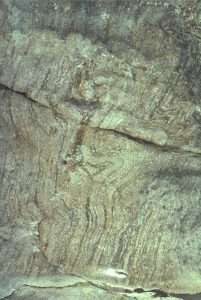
[(100, 139)]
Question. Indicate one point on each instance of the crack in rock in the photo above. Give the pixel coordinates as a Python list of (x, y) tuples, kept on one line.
[(136, 139)]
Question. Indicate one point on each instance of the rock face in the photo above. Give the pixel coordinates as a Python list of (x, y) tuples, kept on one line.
[(100, 149)]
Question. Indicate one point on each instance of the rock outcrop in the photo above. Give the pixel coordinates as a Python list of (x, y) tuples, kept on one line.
[(100, 138)]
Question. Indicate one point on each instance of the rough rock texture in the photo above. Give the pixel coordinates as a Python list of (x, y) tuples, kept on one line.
[(100, 149)]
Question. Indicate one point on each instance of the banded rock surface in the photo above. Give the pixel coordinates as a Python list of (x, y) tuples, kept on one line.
[(100, 149)]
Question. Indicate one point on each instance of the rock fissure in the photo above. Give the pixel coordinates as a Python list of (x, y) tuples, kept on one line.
[(114, 131), (109, 289)]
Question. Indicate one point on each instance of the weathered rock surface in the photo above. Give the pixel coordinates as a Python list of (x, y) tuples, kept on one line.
[(100, 141)]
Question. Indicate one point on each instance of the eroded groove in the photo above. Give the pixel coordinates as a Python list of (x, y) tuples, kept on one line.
[(164, 148), (74, 285), (5, 87), (157, 293)]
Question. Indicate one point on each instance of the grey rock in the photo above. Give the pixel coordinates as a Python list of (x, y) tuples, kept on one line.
[(100, 166)]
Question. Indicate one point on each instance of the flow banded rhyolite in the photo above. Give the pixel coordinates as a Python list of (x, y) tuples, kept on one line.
[(100, 138)]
